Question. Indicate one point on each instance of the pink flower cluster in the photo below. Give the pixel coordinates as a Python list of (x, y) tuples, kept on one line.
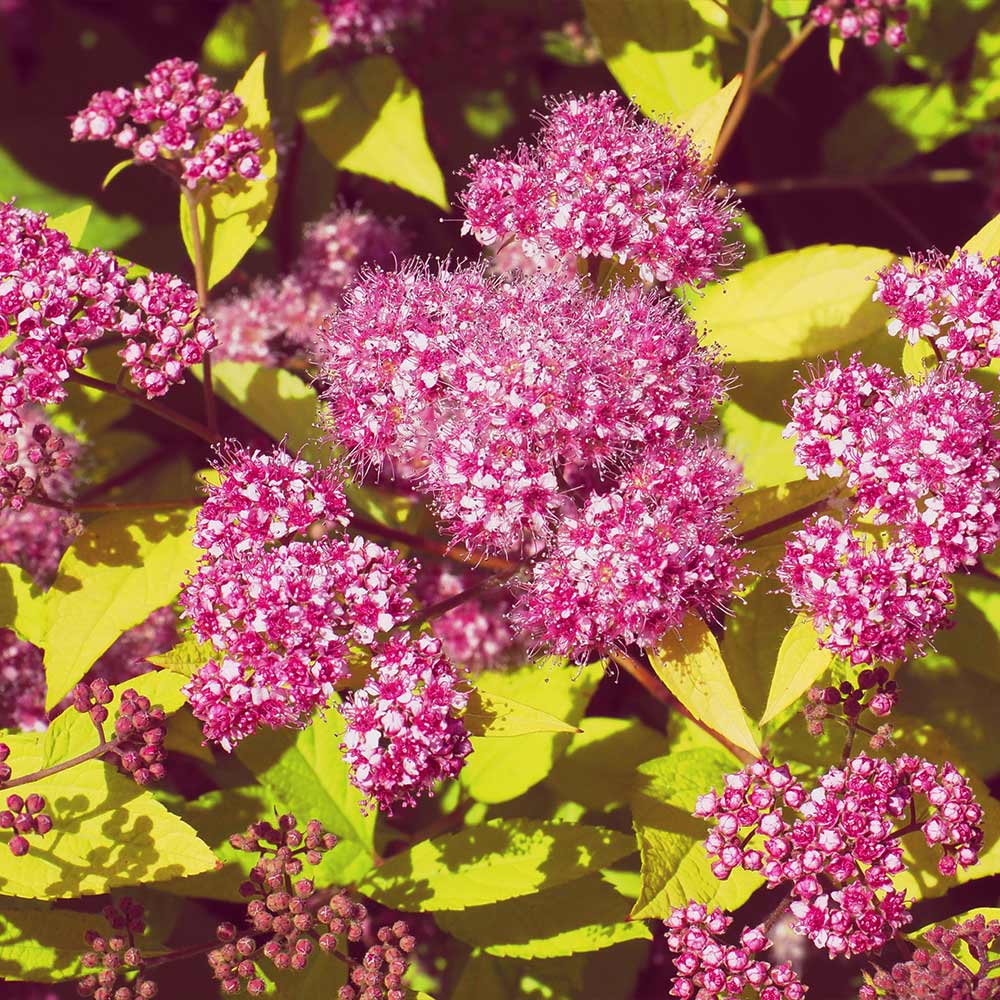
[(22, 684), (935, 973), (369, 23), (179, 119), (277, 318), (533, 413), (846, 833), (35, 463), (601, 181), (870, 20), (955, 304), (56, 301), (708, 967), (404, 732), (922, 459)]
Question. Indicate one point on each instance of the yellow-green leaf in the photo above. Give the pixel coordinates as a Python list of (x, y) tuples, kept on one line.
[(368, 118), (117, 169), (305, 33), (987, 241), (690, 663), (662, 54), (918, 358), (797, 304), (121, 569), (186, 658), (836, 50), (771, 508), (72, 223), (497, 860), (705, 120), (494, 715), (22, 605), (233, 215), (800, 662), (39, 944)]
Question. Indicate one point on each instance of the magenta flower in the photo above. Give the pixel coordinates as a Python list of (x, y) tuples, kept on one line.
[(35, 462), (602, 181), (179, 118), (370, 23), (707, 967), (629, 566), (404, 732), (870, 20), (22, 684)]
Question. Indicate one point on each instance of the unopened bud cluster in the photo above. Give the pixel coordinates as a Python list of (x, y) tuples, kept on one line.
[(29, 459), (874, 692), (24, 816), (117, 957), (870, 20), (379, 974)]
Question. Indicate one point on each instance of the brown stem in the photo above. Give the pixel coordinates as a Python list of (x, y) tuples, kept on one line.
[(645, 676), (199, 430), (201, 286), (785, 54), (442, 607), (747, 84), (125, 476), (99, 751), (751, 189), (444, 550), (792, 517), (778, 911)]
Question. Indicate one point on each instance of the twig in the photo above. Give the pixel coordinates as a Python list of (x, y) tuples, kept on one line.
[(954, 175), (201, 286), (785, 54)]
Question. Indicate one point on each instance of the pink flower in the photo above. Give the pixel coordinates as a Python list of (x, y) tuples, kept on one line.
[(35, 462), (179, 117), (871, 20), (601, 181), (404, 732), (22, 684), (369, 23)]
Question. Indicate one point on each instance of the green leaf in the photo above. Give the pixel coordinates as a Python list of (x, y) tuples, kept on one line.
[(987, 241), (117, 169), (277, 401), (498, 860), (108, 832), (690, 664), (492, 715), (306, 775), (368, 118), (800, 662), (705, 120), (306, 33), (41, 944), (22, 605), (797, 304), (233, 215), (186, 658), (836, 50), (585, 915), (675, 867), (501, 770), (72, 223), (601, 765), (918, 359), (121, 569), (662, 54), (759, 444)]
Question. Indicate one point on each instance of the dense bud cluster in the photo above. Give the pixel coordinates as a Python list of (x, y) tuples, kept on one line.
[(922, 460), (602, 181), (281, 317), (93, 699), (838, 846), (34, 463), (874, 692), (117, 956), (180, 118), (57, 301), (870, 20), (24, 816), (140, 729), (370, 23), (404, 732), (379, 974), (936, 973), (706, 967)]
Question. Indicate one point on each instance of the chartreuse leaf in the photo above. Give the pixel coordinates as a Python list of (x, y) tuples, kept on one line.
[(662, 54), (305, 774), (690, 664), (987, 241), (675, 867), (275, 400), (800, 662), (921, 877), (39, 944), (501, 770), (918, 359), (601, 764), (767, 456), (108, 832), (305, 33), (233, 215), (73, 223), (186, 658), (493, 715), (705, 120), (367, 117), (796, 304), (22, 605), (773, 508), (121, 569), (497, 860), (587, 914), (73, 733)]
